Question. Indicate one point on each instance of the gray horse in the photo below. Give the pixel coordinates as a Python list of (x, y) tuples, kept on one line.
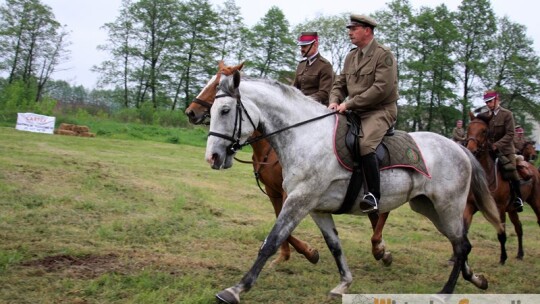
[(316, 183)]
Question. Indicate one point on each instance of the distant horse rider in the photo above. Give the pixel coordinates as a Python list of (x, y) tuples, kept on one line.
[(501, 136)]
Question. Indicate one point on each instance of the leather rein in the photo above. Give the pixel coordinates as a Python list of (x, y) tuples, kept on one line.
[(235, 137)]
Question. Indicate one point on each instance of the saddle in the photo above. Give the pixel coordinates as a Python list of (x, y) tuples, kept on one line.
[(507, 167), (397, 150)]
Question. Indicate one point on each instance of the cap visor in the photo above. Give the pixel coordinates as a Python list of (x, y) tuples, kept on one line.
[(489, 98)]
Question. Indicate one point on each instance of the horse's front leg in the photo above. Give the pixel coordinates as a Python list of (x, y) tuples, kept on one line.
[(325, 222), (378, 248), (287, 220), (312, 255)]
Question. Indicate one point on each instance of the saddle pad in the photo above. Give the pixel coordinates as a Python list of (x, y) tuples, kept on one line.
[(397, 151)]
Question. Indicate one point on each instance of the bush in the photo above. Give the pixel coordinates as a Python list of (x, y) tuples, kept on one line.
[(167, 118)]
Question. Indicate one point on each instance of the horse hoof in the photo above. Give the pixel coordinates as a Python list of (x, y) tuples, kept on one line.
[(481, 282), (387, 259), (314, 257), (228, 297)]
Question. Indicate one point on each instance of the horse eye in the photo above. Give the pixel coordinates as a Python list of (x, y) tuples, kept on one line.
[(225, 111)]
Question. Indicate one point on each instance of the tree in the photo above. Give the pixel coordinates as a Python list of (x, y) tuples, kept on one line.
[(198, 56), (476, 24), (273, 48), (32, 43), (513, 70), (156, 32), (118, 70), (430, 69), (229, 36)]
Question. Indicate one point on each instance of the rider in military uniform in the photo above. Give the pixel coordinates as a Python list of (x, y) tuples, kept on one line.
[(501, 136), (368, 86), (314, 74)]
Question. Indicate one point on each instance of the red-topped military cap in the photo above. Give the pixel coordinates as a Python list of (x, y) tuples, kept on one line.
[(307, 38)]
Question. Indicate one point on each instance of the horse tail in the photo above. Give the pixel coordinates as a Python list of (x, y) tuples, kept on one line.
[(482, 196)]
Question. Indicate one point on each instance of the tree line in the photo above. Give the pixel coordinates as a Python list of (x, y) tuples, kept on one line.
[(161, 53)]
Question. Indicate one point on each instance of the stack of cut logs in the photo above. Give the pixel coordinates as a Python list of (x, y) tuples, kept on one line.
[(73, 130)]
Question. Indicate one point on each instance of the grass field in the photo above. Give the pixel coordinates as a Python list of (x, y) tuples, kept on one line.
[(101, 220)]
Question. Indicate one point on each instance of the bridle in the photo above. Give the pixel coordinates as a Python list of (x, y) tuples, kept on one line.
[(481, 148), (237, 131), (484, 148)]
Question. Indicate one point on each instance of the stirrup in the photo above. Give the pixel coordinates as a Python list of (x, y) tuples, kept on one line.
[(368, 204), (518, 204)]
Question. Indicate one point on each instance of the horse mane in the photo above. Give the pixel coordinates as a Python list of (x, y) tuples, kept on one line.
[(288, 91), (484, 118)]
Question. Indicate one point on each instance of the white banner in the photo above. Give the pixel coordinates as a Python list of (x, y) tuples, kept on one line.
[(35, 123), (441, 299)]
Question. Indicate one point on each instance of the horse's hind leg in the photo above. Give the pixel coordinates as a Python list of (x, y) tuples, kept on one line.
[(478, 281), (514, 218), (378, 248), (325, 222)]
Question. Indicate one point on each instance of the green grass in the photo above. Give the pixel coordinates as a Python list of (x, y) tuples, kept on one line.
[(110, 220)]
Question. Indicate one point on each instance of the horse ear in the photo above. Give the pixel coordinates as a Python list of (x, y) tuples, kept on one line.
[(241, 65), (471, 115), (236, 79), (221, 65)]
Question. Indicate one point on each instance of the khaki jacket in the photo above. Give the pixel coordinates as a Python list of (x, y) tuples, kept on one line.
[(501, 130), (369, 87), (315, 79), (370, 82), (458, 134)]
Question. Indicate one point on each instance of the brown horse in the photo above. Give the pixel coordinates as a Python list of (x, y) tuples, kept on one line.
[(477, 143), (528, 151), (268, 170)]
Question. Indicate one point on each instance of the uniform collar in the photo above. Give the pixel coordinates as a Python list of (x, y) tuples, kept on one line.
[(365, 49), (312, 59)]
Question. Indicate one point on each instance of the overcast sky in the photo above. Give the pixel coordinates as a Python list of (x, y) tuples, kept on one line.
[(84, 19)]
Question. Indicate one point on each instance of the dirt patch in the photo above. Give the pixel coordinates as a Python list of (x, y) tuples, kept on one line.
[(93, 266), (88, 266)]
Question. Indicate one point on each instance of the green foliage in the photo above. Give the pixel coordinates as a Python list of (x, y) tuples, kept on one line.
[(18, 97)]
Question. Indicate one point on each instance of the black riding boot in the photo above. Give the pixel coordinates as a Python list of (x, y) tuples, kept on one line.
[(370, 200), (518, 203)]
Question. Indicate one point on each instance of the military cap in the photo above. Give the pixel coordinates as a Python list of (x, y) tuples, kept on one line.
[(361, 20), (307, 38), (490, 95)]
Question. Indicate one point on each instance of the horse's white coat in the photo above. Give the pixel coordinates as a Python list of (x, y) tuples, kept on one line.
[(316, 183)]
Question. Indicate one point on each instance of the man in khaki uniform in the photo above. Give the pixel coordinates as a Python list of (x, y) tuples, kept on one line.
[(519, 139), (368, 85), (501, 136), (314, 74), (458, 134)]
